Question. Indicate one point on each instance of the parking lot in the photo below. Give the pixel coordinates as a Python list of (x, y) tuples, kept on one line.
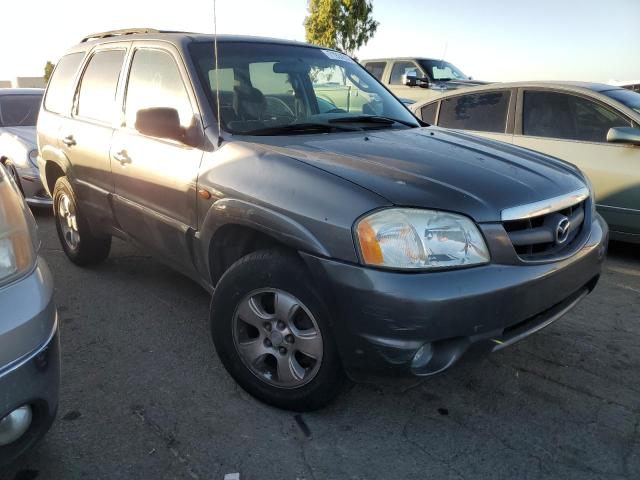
[(144, 395)]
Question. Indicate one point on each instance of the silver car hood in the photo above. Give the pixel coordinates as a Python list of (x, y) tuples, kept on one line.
[(25, 134)]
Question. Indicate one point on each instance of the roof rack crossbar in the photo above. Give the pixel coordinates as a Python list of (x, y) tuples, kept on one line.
[(116, 33)]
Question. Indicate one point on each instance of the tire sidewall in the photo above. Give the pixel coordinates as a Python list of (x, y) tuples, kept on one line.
[(63, 186), (283, 271)]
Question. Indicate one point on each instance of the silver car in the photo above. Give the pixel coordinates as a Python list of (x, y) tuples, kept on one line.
[(18, 147), (29, 345)]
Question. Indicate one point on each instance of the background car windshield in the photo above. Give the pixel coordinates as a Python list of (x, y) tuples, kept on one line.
[(266, 85), (19, 110), (440, 70), (626, 97)]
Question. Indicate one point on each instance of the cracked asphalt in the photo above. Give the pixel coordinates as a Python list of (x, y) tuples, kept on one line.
[(145, 397)]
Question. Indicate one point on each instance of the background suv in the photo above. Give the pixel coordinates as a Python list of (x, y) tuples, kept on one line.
[(335, 235)]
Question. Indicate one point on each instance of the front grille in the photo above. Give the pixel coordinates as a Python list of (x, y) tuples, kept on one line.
[(535, 238)]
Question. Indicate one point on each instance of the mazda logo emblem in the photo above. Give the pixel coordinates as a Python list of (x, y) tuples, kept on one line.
[(562, 230)]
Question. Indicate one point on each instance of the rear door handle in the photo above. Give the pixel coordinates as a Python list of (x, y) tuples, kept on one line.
[(122, 157), (69, 141)]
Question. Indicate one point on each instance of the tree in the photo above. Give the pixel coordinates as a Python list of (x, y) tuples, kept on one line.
[(345, 25), (48, 70)]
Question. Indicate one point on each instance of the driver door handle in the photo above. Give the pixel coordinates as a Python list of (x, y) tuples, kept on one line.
[(122, 157), (69, 141)]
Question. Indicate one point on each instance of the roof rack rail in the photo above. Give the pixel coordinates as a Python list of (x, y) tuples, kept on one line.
[(117, 33)]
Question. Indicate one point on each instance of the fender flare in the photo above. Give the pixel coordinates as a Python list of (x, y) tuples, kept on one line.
[(230, 211), (57, 156)]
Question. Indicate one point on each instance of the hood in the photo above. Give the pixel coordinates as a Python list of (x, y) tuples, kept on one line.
[(25, 134), (435, 168), (455, 84)]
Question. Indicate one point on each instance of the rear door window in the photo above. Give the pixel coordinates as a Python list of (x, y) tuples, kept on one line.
[(376, 69), (567, 117), (428, 113), (482, 112), (97, 96), (59, 92)]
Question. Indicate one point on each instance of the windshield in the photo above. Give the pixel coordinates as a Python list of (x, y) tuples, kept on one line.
[(267, 87), (19, 110), (626, 97), (441, 70)]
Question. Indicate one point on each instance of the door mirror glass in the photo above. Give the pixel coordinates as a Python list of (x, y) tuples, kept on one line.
[(411, 79), (628, 135), (160, 122)]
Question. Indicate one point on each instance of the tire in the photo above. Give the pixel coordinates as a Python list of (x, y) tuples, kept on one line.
[(13, 173), (245, 289), (80, 245)]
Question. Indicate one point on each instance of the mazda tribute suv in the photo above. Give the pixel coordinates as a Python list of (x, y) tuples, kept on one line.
[(338, 235)]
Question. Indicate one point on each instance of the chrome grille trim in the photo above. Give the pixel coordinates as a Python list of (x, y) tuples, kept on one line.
[(543, 207)]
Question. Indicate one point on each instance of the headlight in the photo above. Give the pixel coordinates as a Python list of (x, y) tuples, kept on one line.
[(410, 238), (33, 157), (18, 233)]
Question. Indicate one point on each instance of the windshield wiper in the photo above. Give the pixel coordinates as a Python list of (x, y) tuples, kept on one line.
[(299, 128), (370, 119)]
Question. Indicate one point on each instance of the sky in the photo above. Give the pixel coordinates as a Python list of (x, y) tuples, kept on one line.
[(488, 39)]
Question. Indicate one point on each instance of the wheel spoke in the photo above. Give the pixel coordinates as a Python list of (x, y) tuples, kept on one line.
[(249, 312), (287, 372), (285, 306), (253, 350), (308, 343)]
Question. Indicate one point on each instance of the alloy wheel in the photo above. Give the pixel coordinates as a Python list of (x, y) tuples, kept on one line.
[(277, 338), (68, 220)]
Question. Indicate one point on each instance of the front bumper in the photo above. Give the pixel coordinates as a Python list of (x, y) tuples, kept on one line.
[(29, 356), (396, 323)]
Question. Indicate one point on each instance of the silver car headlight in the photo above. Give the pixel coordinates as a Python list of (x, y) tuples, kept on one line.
[(411, 238), (33, 157), (18, 233)]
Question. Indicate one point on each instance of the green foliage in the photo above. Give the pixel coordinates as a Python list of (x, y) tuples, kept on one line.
[(345, 25), (48, 70)]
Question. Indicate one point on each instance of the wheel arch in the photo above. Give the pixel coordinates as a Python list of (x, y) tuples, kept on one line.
[(56, 165), (234, 228)]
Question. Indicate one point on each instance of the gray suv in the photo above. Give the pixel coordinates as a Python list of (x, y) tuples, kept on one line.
[(334, 232)]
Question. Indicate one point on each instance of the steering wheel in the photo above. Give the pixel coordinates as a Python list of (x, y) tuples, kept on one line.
[(278, 108)]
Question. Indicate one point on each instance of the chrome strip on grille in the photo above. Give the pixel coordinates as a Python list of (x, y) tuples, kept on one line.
[(543, 207)]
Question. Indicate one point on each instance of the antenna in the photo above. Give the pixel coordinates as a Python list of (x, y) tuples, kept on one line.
[(444, 54), (215, 53)]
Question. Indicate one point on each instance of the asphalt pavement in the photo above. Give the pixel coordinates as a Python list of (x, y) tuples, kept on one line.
[(144, 395)]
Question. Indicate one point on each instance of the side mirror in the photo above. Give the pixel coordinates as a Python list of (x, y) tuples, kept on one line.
[(160, 122), (626, 135), (409, 80)]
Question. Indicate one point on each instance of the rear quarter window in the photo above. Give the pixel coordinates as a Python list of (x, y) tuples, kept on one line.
[(428, 113), (60, 90), (481, 112)]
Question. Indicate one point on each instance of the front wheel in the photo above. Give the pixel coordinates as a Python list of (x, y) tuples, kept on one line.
[(80, 245), (271, 331)]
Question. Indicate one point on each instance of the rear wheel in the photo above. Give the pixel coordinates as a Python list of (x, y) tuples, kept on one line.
[(80, 245), (271, 331)]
